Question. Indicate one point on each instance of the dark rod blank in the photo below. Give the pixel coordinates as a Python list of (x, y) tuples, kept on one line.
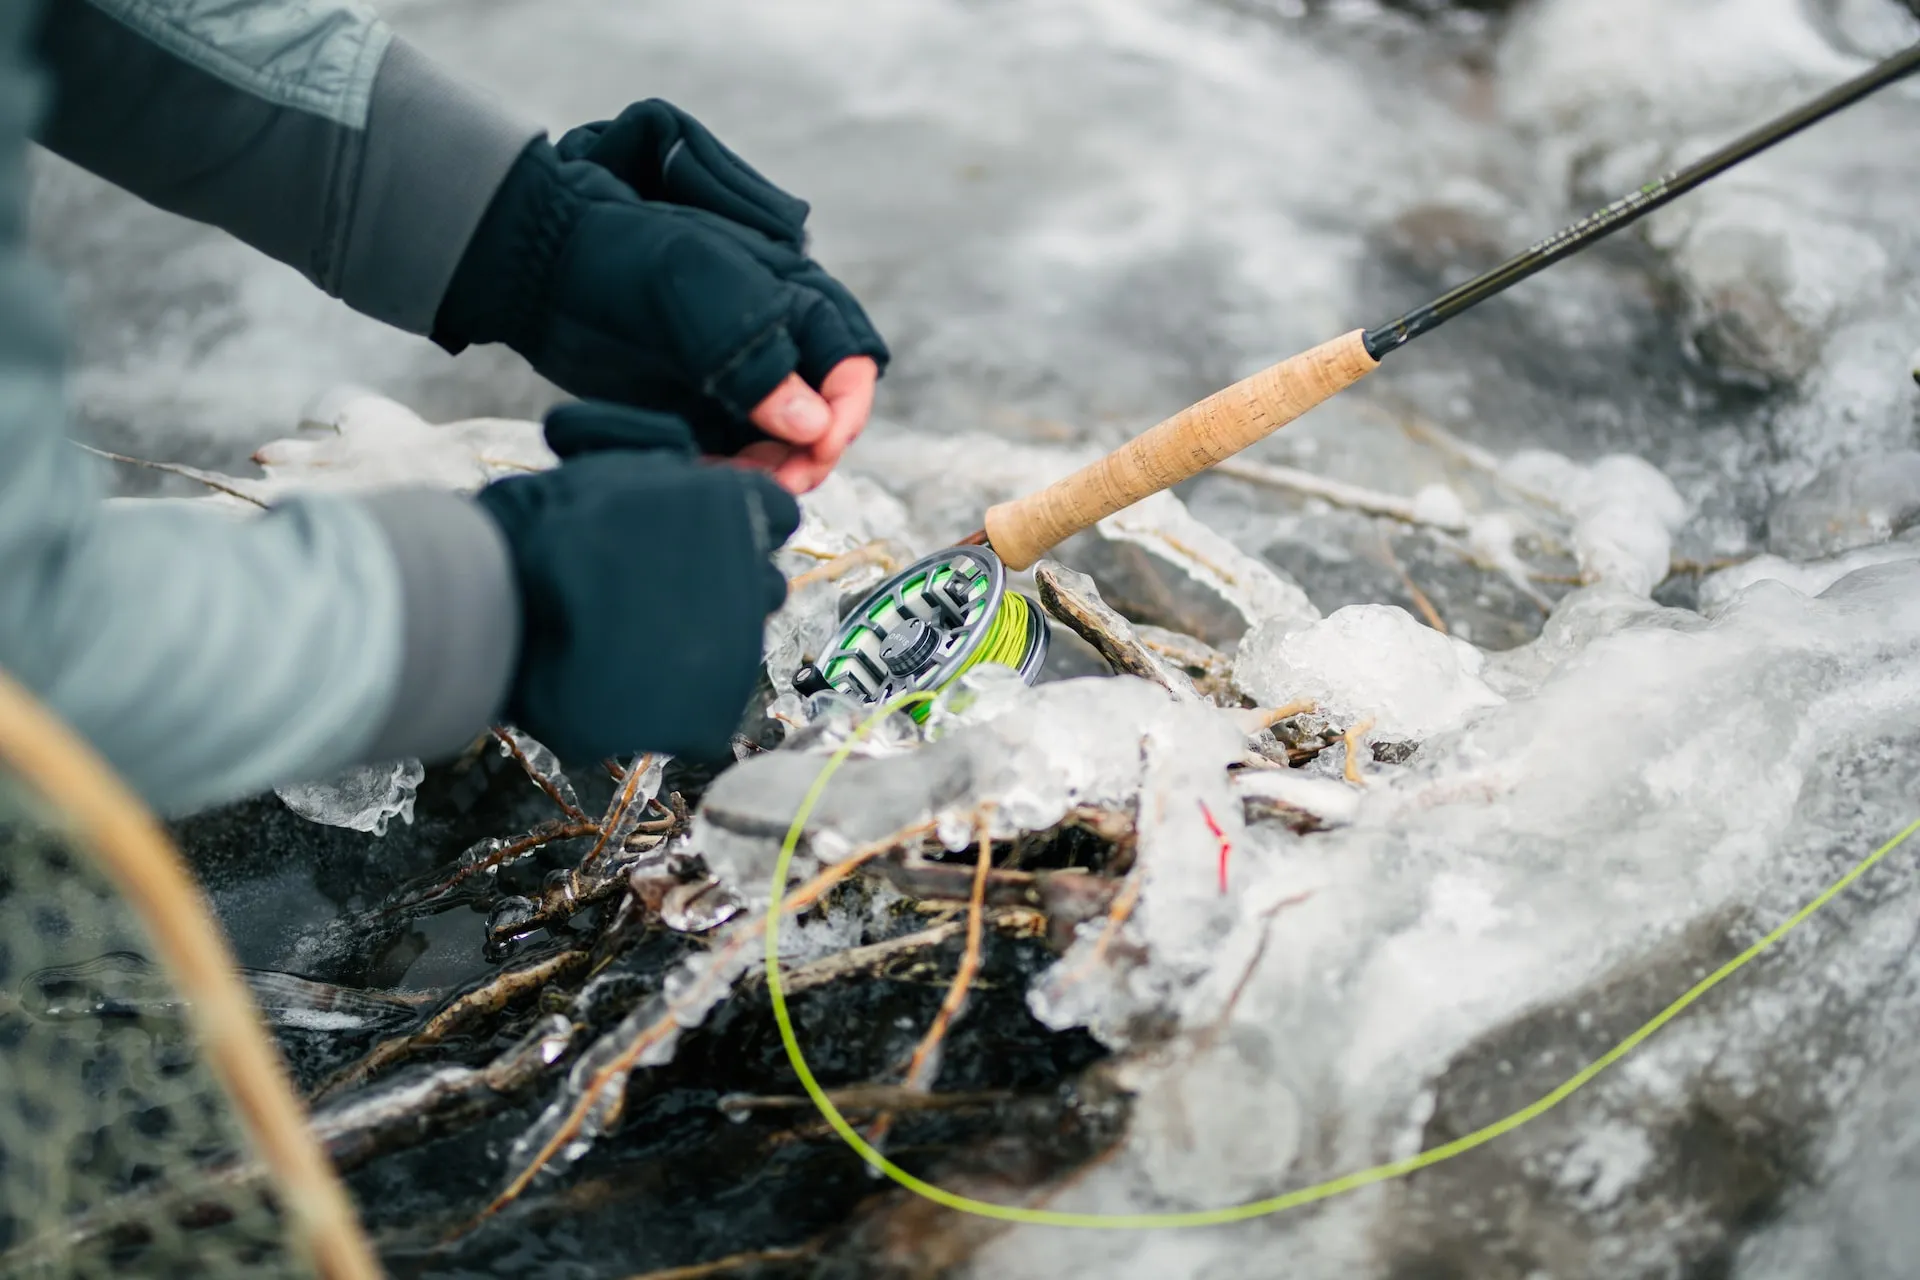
[(1398, 333)]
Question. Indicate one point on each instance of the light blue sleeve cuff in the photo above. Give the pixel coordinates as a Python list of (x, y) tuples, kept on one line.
[(460, 623)]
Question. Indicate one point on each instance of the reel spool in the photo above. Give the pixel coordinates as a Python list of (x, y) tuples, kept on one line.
[(924, 627)]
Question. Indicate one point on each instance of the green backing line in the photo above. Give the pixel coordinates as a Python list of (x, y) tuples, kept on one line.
[(1257, 1208)]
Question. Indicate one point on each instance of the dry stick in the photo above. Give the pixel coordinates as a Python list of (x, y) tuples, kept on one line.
[(1352, 738), (617, 1069), (1427, 611), (130, 847), (540, 780), (925, 1063), (1334, 492), (1426, 431)]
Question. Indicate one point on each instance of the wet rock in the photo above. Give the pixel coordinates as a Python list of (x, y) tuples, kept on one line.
[(1145, 588), (1852, 504), (1765, 284)]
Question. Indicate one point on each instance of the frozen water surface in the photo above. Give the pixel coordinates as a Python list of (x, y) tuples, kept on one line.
[(1074, 216)]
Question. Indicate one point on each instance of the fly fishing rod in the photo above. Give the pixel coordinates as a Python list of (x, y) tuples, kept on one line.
[(1021, 531), (925, 626)]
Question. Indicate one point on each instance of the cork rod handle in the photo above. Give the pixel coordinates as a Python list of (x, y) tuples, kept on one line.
[(1023, 530)]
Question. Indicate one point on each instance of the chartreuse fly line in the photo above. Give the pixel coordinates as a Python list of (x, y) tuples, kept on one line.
[(1256, 1208)]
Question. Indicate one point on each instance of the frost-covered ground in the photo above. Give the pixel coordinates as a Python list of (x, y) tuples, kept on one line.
[(1072, 216)]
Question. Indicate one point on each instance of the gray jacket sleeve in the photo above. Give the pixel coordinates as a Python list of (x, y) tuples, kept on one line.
[(211, 655), (304, 127)]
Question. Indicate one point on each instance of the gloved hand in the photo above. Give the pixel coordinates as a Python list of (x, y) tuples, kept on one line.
[(701, 303), (664, 154), (645, 583)]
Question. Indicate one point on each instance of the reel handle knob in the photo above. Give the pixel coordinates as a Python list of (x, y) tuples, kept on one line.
[(809, 680), (1023, 530)]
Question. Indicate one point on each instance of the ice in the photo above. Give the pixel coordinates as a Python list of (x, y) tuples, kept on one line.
[(1070, 742), (800, 630), (364, 798), (594, 1095), (846, 512), (1368, 662), (1605, 1165), (1624, 512), (1808, 578), (1651, 782), (541, 763), (981, 694)]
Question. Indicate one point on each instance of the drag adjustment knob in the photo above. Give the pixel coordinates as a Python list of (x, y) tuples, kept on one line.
[(908, 648)]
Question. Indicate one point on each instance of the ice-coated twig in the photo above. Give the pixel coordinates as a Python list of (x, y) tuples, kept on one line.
[(1680, 566), (1336, 493), (563, 897), (416, 1109), (489, 855), (925, 1063), (869, 959), (733, 1263), (1254, 720), (868, 1097), (543, 767), (630, 800), (1352, 738), (1207, 1035), (211, 479), (882, 554), (1117, 916), (354, 1131), (458, 1017), (1073, 598), (610, 1062)]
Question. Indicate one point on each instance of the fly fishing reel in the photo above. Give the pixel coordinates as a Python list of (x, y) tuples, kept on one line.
[(927, 625)]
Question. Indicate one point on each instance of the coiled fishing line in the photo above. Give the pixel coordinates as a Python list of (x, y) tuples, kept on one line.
[(1253, 1209)]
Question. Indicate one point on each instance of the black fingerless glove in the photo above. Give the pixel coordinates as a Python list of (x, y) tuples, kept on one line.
[(664, 154), (696, 303), (645, 580)]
